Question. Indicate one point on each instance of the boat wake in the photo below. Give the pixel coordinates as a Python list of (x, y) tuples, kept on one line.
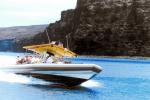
[(7, 60), (13, 78), (92, 83)]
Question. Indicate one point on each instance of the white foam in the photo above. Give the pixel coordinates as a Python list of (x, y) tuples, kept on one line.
[(13, 78), (7, 60), (92, 83)]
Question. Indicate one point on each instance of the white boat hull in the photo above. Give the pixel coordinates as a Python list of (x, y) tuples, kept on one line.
[(68, 74)]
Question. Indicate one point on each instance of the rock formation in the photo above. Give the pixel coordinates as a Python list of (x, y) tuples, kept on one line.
[(103, 27)]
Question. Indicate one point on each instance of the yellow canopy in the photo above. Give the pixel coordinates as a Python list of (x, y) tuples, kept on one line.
[(57, 50)]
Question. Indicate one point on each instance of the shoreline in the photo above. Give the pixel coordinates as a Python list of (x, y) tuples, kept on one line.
[(121, 57), (93, 56)]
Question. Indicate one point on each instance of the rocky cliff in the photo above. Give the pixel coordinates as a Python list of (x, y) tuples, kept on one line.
[(103, 27)]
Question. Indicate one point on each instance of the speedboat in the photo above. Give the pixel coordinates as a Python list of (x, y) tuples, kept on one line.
[(68, 74)]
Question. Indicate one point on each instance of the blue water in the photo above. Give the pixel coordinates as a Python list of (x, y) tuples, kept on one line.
[(121, 79)]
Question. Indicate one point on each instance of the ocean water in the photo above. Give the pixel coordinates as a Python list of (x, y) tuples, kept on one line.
[(121, 79)]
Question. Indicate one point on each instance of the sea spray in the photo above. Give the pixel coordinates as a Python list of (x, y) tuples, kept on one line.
[(92, 83), (7, 60), (14, 78)]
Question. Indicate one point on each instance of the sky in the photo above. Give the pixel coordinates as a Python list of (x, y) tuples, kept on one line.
[(32, 12)]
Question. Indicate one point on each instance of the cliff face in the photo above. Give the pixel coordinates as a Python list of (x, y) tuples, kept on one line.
[(112, 27), (104, 27)]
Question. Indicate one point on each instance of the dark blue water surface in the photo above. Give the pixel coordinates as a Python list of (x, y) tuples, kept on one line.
[(121, 79)]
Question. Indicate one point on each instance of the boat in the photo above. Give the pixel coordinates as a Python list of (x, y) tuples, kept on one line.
[(68, 74)]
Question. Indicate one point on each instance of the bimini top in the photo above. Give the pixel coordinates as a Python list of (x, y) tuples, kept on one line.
[(57, 50)]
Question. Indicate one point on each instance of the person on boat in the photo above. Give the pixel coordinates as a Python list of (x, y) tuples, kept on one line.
[(24, 60), (36, 59), (50, 58), (28, 59), (18, 60)]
